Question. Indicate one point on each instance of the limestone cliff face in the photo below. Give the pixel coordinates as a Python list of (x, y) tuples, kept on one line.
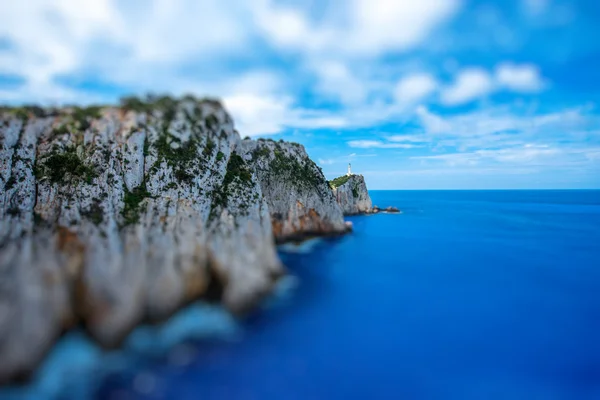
[(114, 216), (296, 191), (351, 194)]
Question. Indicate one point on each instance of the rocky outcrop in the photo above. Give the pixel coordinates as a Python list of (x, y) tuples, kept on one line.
[(299, 199), (114, 216), (390, 209), (352, 195)]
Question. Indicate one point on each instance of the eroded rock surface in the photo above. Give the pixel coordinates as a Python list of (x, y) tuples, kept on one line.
[(299, 198), (351, 194), (114, 216)]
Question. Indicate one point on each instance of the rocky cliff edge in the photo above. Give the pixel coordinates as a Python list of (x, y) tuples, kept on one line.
[(117, 215), (351, 194)]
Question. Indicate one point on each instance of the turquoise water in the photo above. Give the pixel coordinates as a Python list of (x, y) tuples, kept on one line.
[(465, 295)]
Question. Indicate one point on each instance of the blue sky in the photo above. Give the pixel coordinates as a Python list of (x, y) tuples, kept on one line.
[(424, 94)]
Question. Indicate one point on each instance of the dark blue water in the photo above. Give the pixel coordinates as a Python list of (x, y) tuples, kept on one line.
[(465, 295)]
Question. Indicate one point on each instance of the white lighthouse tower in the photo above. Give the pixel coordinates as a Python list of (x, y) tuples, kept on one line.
[(349, 170)]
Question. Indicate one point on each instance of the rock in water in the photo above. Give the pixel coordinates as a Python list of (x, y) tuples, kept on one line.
[(351, 194), (114, 216)]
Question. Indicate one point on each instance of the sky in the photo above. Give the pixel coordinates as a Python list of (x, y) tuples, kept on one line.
[(427, 94)]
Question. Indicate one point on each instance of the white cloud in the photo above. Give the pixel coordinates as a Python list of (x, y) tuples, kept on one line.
[(355, 27), (377, 144), (380, 25), (327, 161), (519, 155), (141, 48), (520, 78), (488, 122), (431, 122), (474, 83), (340, 48), (266, 115), (409, 138), (470, 84), (336, 80), (413, 88)]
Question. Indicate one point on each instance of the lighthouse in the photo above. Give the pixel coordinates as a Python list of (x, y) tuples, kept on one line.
[(349, 170)]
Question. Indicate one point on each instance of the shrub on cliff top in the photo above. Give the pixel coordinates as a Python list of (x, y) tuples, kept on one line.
[(339, 181), (304, 172)]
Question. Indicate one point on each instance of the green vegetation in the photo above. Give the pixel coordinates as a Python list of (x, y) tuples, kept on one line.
[(355, 191), (21, 113), (25, 111), (212, 122), (165, 104), (82, 115), (304, 173), (133, 103), (60, 130), (146, 146), (237, 172), (260, 151), (133, 200), (339, 181), (210, 146), (177, 155), (236, 167), (183, 176), (301, 170), (60, 167), (220, 156)]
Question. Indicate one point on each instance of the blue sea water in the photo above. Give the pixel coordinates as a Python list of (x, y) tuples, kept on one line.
[(464, 295)]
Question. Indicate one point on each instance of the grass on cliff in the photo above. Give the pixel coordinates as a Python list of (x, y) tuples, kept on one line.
[(62, 167), (339, 181), (133, 200), (237, 173), (303, 172), (180, 157)]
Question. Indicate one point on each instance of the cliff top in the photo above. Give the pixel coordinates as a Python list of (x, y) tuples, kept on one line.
[(149, 104), (341, 180)]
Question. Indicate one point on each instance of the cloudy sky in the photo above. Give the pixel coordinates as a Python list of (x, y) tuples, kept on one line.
[(416, 94)]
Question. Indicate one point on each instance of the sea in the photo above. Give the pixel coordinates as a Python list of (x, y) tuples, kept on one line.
[(464, 295)]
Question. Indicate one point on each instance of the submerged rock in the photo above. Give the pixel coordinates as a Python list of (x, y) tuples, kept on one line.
[(114, 216), (389, 209)]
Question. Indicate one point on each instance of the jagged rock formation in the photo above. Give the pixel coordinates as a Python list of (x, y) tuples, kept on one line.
[(299, 199), (113, 216), (351, 194)]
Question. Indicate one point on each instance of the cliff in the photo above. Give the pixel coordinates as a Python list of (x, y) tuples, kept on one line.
[(113, 216), (299, 199), (351, 194)]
